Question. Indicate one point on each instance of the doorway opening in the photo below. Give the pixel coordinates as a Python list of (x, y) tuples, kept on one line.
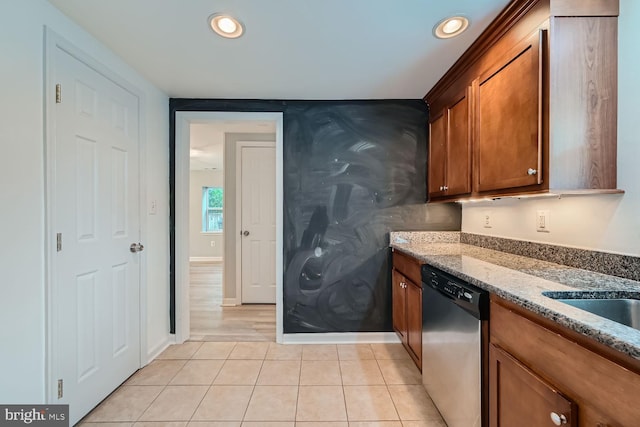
[(209, 231)]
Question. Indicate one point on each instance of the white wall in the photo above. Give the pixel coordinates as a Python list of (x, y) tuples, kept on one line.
[(199, 242), (607, 223), (22, 269)]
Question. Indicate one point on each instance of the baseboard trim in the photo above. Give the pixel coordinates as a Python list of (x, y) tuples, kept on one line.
[(205, 259), (229, 302), (159, 348), (341, 338)]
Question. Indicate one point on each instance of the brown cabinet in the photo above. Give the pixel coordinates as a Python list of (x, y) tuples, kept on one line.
[(399, 302), (414, 320), (406, 295), (520, 397), (509, 119), (541, 114), (538, 368), (450, 149)]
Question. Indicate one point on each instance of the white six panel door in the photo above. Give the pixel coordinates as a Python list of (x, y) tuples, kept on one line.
[(96, 208), (258, 189)]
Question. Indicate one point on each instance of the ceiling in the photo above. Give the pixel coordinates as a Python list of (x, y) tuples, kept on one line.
[(291, 49), (206, 140)]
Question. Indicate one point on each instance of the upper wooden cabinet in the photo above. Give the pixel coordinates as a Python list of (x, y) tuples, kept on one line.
[(509, 120), (450, 148), (531, 106)]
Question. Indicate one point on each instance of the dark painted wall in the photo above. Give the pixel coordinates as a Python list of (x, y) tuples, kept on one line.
[(353, 171)]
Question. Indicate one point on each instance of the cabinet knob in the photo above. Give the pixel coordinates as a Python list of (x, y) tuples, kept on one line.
[(441, 188), (402, 284), (531, 171), (445, 188), (558, 419)]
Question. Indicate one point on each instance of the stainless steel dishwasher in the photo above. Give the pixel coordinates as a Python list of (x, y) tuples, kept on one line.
[(454, 339)]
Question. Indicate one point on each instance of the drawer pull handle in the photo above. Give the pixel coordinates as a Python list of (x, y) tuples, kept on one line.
[(558, 419)]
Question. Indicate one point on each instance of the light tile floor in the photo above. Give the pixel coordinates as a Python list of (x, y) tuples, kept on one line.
[(228, 384)]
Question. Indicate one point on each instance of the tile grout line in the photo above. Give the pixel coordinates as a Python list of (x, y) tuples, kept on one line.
[(252, 391), (344, 393), (149, 406), (212, 381), (295, 416), (208, 389), (167, 385)]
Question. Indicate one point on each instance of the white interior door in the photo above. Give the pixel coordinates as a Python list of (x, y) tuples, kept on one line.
[(95, 204), (258, 198)]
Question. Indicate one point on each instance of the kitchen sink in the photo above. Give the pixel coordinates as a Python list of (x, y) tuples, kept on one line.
[(621, 310)]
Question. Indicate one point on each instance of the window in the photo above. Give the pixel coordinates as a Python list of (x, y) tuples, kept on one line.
[(212, 198)]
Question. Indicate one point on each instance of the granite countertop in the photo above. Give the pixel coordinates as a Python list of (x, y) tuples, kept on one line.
[(522, 280)]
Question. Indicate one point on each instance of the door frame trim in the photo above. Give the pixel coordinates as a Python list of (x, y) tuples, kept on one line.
[(239, 146), (181, 196), (53, 41)]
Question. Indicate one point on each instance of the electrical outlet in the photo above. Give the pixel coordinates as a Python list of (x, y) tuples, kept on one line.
[(487, 219), (153, 207), (213, 243), (543, 221)]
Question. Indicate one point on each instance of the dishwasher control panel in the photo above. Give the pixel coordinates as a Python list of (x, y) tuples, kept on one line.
[(452, 289), (465, 295)]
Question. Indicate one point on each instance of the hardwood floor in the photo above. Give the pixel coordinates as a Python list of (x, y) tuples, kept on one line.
[(212, 322)]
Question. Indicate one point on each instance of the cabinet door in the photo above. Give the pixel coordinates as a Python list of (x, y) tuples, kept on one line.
[(398, 298), (509, 119), (518, 397), (437, 156), (459, 147), (414, 321)]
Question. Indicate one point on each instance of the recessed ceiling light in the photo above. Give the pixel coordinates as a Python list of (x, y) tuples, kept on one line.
[(450, 27), (226, 26)]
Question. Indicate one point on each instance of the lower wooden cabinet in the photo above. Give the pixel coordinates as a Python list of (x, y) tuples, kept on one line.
[(406, 297), (519, 397), (399, 303), (538, 368)]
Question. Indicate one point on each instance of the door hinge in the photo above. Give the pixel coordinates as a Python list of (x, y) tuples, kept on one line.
[(60, 391), (58, 242), (58, 94)]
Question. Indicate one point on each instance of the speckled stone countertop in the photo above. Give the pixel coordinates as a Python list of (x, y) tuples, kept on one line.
[(523, 280)]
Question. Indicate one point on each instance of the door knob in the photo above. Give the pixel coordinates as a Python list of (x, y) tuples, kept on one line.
[(558, 419), (245, 233), (136, 247)]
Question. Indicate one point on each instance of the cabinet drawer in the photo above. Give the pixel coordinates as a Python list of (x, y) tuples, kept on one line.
[(408, 266), (594, 382)]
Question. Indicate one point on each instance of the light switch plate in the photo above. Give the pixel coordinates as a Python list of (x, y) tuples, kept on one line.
[(487, 219), (543, 221)]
